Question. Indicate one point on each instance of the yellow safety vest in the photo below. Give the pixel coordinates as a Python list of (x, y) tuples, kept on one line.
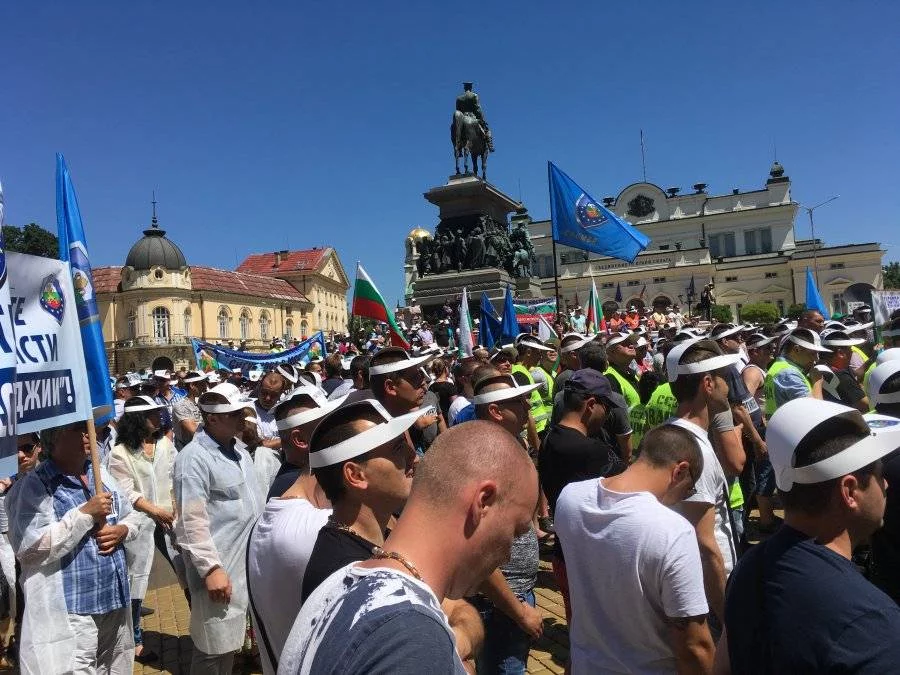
[(661, 406), (637, 417), (632, 398), (539, 414), (780, 364)]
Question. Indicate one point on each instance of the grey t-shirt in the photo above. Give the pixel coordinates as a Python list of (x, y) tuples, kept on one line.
[(521, 570), (184, 409)]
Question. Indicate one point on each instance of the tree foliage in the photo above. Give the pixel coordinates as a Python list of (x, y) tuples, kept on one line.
[(721, 313), (760, 312), (891, 273), (794, 311), (31, 239)]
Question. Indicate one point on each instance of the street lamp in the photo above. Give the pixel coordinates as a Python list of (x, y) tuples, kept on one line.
[(812, 231)]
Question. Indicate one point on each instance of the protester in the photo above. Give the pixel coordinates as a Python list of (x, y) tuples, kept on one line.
[(620, 352), (68, 540), (507, 606), (792, 374), (217, 501), (123, 392), (359, 378), (796, 603), (267, 453), (811, 319), (473, 492), (696, 372), (442, 385), (634, 573), (461, 409), (167, 395), (569, 358), (839, 381), (142, 463), (186, 416), (333, 365), (282, 539)]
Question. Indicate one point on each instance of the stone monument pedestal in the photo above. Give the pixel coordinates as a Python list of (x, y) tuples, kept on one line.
[(434, 290)]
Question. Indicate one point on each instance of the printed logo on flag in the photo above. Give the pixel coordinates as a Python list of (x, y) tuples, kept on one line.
[(81, 282), (2, 262), (587, 213), (52, 300)]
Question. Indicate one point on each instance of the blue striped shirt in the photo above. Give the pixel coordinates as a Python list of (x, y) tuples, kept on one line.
[(92, 583)]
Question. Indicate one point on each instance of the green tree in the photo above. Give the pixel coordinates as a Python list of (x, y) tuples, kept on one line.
[(760, 312), (891, 273), (794, 311), (31, 239), (721, 313)]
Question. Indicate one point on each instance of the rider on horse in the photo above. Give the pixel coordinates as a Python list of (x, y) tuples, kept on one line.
[(467, 103)]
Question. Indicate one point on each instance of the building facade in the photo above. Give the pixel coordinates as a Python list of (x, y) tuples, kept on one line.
[(155, 303), (744, 242)]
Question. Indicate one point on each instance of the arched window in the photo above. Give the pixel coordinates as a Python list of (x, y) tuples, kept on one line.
[(263, 325), (132, 324), (187, 322), (245, 324), (289, 329), (304, 329), (223, 323), (161, 323)]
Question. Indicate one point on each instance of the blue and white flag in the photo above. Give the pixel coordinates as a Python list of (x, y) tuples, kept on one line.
[(210, 356), (73, 249), (489, 326), (509, 324), (8, 447), (581, 222), (813, 298)]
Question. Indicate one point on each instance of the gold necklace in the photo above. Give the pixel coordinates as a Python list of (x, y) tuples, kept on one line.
[(336, 524), (380, 553)]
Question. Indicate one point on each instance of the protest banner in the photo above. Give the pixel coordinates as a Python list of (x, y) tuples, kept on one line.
[(884, 303), (51, 387), (528, 311), (8, 444), (210, 356)]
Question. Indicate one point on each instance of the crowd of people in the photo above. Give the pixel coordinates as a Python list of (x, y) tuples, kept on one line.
[(384, 510)]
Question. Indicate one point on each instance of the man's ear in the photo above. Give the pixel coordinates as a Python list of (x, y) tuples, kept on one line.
[(484, 497), (297, 440), (355, 475)]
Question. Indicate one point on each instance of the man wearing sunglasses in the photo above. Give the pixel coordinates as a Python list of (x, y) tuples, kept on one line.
[(217, 498)]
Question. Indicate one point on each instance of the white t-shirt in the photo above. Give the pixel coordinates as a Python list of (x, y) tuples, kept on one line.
[(266, 426), (712, 488), (631, 563), (280, 546)]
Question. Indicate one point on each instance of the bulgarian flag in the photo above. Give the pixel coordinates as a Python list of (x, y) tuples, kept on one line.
[(369, 303), (465, 326), (595, 320)]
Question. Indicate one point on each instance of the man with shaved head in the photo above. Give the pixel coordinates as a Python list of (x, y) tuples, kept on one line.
[(472, 494)]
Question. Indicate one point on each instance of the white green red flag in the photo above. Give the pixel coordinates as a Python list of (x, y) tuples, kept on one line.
[(595, 321), (465, 325), (370, 304)]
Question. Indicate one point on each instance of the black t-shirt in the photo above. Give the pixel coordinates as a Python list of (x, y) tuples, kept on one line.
[(795, 606), (445, 392), (848, 390), (567, 456), (333, 549), (287, 474)]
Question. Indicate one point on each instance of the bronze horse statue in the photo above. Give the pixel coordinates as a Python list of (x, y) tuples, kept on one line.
[(470, 138)]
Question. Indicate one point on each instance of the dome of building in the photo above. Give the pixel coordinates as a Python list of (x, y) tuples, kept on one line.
[(418, 233), (154, 250)]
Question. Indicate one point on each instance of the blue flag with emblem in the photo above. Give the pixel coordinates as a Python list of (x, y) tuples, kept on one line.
[(489, 325), (581, 222), (509, 325), (73, 249), (8, 445), (813, 298)]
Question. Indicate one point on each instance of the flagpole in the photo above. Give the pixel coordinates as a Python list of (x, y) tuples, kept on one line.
[(555, 277)]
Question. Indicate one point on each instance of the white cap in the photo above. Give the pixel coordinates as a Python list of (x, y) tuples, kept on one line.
[(724, 330), (194, 376), (235, 399), (213, 377), (322, 407), (512, 391), (254, 375), (533, 343), (575, 342), (807, 339), (365, 441), (141, 404), (674, 368), (164, 375), (758, 340), (887, 355), (288, 372), (404, 364), (796, 419), (878, 377), (617, 338), (835, 337)]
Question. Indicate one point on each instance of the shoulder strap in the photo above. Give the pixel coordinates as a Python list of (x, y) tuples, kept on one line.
[(260, 625)]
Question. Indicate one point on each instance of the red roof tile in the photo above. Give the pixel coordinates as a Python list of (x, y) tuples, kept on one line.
[(291, 261), (106, 280), (225, 281)]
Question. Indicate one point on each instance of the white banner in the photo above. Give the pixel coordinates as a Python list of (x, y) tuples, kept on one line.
[(51, 387), (883, 304)]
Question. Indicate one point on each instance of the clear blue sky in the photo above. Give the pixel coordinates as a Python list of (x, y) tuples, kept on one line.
[(284, 124)]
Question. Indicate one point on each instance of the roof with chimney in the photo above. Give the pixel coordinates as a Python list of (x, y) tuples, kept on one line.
[(285, 262), (108, 280)]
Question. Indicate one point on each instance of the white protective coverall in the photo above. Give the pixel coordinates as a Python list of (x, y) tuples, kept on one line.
[(217, 501), (40, 540), (139, 476)]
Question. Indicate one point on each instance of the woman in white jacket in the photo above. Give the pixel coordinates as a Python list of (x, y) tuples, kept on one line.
[(142, 463)]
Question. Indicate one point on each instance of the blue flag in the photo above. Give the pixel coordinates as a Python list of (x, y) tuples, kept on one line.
[(489, 327), (509, 326), (73, 249), (813, 299), (619, 292), (582, 222), (690, 289), (8, 445)]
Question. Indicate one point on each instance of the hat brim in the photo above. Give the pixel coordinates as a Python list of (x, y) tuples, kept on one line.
[(576, 345), (727, 333), (362, 443), (504, 394), (310, 415), (397, 366)]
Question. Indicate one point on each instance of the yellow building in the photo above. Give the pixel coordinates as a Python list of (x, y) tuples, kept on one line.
[(154, 304)]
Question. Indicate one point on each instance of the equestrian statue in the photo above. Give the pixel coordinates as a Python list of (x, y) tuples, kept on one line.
[(469, 132)]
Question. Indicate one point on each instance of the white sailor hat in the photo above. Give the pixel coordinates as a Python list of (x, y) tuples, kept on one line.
[(879, 375), (363, 442), (141, 404), (405, 363), (235, 400), (674, 367), (512, 391), (794, 421), (833, 337), (807, 339)]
